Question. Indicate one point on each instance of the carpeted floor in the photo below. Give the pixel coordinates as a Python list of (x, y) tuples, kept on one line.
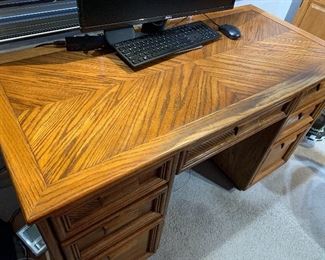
[(282, 217)]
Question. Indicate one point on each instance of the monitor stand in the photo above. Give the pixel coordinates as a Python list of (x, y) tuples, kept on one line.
[(120, 35), (128, 32), (149, 28)]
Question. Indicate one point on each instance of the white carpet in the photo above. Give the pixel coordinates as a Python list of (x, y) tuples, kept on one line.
[(282, 217)]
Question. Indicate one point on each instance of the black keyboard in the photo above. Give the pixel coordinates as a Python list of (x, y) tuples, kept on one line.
[(148, 48)]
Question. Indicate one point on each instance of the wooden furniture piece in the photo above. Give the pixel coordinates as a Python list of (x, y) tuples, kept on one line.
[(93, 147), (311, 17)]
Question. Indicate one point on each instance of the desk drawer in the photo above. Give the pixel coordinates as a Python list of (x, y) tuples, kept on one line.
[(300, 118), (152, 203), (143, 245), (315, 94), (300, 115), (221, 141), (127, 243), (110, 201), (279, 153)]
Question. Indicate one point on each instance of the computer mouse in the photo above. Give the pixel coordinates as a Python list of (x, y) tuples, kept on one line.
[(230, 31)]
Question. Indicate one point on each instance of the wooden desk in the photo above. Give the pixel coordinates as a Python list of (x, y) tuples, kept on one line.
[(93, 147)]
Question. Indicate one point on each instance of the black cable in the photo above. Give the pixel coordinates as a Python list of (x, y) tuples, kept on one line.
[(61, 44), (212, 20)]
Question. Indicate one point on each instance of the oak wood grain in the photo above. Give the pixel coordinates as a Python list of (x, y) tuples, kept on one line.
[(259, 155), (73, 123), (101, 205), (25, 172)]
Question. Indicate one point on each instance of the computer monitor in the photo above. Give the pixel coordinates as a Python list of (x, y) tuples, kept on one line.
[(95, 15)]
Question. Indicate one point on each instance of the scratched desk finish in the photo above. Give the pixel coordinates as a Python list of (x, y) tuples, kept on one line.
[(86, 138)]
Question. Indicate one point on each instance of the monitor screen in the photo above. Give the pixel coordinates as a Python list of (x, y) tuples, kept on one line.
[(105, 14)]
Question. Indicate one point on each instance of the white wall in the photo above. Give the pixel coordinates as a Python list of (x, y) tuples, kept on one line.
[(278, 8)]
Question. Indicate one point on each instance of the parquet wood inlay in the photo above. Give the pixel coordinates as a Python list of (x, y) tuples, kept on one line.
[(89, 120)]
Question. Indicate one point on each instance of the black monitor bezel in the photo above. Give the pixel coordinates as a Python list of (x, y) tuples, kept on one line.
[(146, 20)]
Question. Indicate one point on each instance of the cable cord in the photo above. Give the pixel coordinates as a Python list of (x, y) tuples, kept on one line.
[(58, 44), (212, 20)]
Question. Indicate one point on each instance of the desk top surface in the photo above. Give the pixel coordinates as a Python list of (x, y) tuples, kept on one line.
[(72, 123)]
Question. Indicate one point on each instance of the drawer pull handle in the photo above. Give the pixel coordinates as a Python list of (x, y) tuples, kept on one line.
[(105, 230), (236, 130), (318, 87), (100, 201), (282, 145)]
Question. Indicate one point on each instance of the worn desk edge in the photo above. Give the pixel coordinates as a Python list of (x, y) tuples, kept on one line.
[(39, 201)]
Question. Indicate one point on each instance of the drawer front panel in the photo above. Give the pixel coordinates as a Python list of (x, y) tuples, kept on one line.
[(152, 203), (206, 148), (135, 249), (315, 94), (221, 141), (300, 118), (279, 153), (300, 115), (113, 246), (141, 246), (115, 198)]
